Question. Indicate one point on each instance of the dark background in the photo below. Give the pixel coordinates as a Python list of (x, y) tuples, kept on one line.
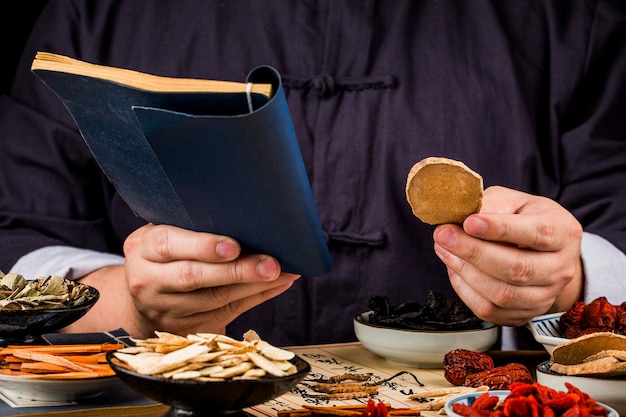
[(16, 21)]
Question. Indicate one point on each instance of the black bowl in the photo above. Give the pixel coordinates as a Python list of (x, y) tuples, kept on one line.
[(27, 326), (202, 399)]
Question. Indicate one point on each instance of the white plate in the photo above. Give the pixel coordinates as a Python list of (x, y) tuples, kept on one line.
[(55, 389), (468, 399), (610, 391), (545, 330)]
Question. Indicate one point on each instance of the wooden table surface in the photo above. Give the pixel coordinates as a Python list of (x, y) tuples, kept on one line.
[(326, 361)]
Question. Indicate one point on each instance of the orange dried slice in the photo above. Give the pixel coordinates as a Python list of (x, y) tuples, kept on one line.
[(442, 190), (578, 350)]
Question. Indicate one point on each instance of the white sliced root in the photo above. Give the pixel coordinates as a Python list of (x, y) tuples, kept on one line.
[(207, 357), (277, 354), (266, 364), (441, 396), (232, 370)]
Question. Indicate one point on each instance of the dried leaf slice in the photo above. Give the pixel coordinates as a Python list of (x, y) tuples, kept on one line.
[(208, 357), (140, 361), (277, 354), (447, 391), (232, 360), (208, 370), (285, 366), (208, 337), (184, 368), (225, 341), (233, 370), (183, 355), (441, 396), (251, 336), (617, 354), (254, 373), (266, 364), (56, 360), (442, 190), (186, 375), (575, 351), (607, 366)]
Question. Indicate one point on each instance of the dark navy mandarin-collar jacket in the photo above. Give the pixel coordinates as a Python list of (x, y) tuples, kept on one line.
[(531, 94)]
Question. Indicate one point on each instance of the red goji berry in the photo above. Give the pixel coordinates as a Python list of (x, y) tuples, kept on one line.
[(545, 394), (485, 402), (575, 390), (563, 401), (465, 410), (522, 390), (590, 403), (574, 411), (381, 409), (516, 407), (597, 410), (541, 401), (548, 412), (534, 407), (370, 410)]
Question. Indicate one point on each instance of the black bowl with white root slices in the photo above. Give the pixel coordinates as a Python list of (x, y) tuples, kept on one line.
[(208, 374)]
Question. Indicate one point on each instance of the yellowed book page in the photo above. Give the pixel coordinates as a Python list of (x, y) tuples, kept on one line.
[(337, 359), (53, 62)]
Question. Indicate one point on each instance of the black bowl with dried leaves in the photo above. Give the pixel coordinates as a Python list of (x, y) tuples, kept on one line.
[(31, 308)]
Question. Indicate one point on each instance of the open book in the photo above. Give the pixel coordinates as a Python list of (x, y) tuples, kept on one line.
[(205, 155)]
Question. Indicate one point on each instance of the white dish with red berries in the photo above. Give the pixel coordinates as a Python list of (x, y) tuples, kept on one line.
[(468, 399)]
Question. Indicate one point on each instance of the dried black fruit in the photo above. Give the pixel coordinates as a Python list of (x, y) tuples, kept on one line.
[(438, 313)]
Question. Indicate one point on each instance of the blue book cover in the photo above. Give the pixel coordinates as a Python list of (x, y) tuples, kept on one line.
[(220, 162)]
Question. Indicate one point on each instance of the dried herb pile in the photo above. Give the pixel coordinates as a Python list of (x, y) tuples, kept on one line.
[(18, 293), (438, 313)]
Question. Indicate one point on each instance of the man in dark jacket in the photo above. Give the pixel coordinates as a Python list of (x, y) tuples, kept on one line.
[(530, 94)]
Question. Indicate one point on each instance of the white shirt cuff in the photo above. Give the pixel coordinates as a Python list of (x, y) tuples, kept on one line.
[(65, 261), (604, 267)]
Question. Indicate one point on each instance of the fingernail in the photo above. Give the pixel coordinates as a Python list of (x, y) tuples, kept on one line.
[(446, 237), (476, 226), (227, 249), (267, 268)]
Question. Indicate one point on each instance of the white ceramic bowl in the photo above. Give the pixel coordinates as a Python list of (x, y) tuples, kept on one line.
[(468, 399), (55, 389), (545, 330), (610, 391), (420, 348)]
